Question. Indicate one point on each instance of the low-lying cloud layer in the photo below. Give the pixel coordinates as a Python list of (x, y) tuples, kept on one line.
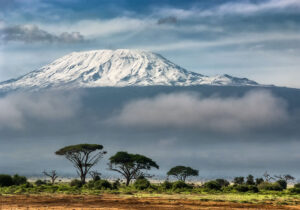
[(32, 33), (19, 110), (255, 110)]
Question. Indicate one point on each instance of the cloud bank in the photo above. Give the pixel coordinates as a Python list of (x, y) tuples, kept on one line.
[(255, 110), (32, 33), (19, 110)]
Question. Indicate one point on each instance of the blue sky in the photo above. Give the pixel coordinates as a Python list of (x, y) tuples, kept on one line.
[(255, 39)]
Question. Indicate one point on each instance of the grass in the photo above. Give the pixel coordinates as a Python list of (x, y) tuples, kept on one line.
[(263, 197)]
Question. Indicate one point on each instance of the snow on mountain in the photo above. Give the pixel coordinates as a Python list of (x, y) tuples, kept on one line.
[(100, 68)]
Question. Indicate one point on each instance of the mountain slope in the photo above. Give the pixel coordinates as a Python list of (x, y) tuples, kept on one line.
[(104, 68)]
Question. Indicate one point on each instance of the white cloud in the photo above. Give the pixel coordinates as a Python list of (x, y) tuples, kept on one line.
[(249, 38), (254, 111), (17, 108), (231, 8), (101, 28)]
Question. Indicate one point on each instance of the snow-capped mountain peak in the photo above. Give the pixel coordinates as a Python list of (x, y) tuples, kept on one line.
[(119, 68)]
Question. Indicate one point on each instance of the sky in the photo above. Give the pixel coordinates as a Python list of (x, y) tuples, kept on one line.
[(247, 38), (222, 131)]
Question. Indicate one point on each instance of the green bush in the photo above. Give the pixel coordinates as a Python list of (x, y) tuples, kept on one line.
[(295, 190), (96, 178), (242, 188), (250, 180), (223, 182), (246, 188), (90, 184), (270, 186), (180, 185), (166, 185), (27, 185), (141, 184), (5, 180), (102, 185), (238, 180), (19, 180), (116, 184), (297, 185), (39, 182), (212, 185), (253, 188), (76, 183), (259, 181), (282, 183)]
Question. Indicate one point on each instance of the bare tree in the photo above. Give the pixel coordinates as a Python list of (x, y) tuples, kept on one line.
[(52, 174), (268, 177)]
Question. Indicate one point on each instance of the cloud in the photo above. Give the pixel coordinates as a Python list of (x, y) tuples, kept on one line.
[(237, 40), (21, 108), (233, 8), (32, 33), (255, 110), (248, 8), (167, 20)]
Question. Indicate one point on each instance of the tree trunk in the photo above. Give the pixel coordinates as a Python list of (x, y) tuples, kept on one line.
[(82, 177), (127, 181)]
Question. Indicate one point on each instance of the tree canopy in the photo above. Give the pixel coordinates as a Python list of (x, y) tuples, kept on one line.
[(182, 172), (83, 157), (130, 165)]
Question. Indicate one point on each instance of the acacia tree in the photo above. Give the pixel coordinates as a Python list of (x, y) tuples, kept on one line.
[(267, 177), (52, 175), (130, 165), (182, 172), (285, 177), (83, 157)]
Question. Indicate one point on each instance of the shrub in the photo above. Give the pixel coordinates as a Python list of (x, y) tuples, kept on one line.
[(259, 181), (295, 190), (223, 182), (242, 188), (18, 180), (5, 180), (102, 185), (270, 186), (297, 185), (27, 185), (116, 184), (253, 188), (39, 182), (238, 180), (96, 178), (180, 185), (90, 184), (76, 183), (212, 185), (282, 183), (166, 185), (141, 184), (246, 188), (250, 180)]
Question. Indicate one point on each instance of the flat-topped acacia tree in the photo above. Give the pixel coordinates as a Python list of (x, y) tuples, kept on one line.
[(83, 157), (130, 165), (182, 172)]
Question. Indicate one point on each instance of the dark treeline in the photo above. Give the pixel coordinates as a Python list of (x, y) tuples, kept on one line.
[(136, 167)]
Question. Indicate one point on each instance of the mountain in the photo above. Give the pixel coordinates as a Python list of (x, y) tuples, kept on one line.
[(118, 68)]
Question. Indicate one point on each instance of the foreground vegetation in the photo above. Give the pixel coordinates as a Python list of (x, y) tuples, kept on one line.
[(132, 168)]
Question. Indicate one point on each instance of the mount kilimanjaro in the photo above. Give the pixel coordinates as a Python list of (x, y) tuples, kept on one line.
[(116, 68)]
